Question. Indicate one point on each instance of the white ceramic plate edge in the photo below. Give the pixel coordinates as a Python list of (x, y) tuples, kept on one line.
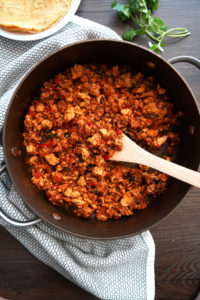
[(36, 36)]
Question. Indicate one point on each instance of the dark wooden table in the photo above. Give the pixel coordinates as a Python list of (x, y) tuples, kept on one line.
[(177, 239)]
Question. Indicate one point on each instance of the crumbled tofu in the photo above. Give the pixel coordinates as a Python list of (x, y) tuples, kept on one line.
[(117, 177), (174, 136), (77, 110), (161, 91), (70, 193), (52, 159), (100, 160), (40, 107), (84, 96), (69, 114), (32, 108), (79, 201), (153, 132), (81, 181), (77, 71), (159, 141), (75, 194), (46, 124), (126, 111), (100, 98), (127, 199), (98, 171), (140, 90), (85, 153), (119, 144), (27, 119), (115, 71), (95, 139), (33, 160), (102, 217), (30, 149), (104, 132), (126, 80), (167, 158), (75, 136)]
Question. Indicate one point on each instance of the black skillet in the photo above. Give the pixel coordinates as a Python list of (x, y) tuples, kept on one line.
[(100, 51)]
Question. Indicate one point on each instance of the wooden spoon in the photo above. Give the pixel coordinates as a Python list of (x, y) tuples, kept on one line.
[(133, 153)]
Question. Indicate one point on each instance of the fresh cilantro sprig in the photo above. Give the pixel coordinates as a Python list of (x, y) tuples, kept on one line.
[(139, 12)]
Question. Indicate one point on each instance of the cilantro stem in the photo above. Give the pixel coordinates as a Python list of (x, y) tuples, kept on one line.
[(177, 29), (135, 20), (178, 35), (151, 36), (141, 19), (178, 32), (181, 32)]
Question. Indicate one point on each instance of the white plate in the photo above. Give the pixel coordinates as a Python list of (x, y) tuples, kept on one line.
[(20, 36)]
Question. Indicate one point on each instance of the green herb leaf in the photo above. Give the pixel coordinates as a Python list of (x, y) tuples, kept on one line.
[(123, 11), (159, 22), (129, 34), (147, 17), (156, 47), (139, 12), (164, 28), (122, 16), (143, 6), (134, 6), (117, 6), (155, 24), (153, 4), (140, 31)]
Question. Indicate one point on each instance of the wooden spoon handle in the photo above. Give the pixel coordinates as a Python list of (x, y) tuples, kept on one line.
[(134, 154), (170, 168)]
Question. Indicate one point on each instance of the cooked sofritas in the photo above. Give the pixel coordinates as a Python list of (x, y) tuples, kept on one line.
[(75, 125)]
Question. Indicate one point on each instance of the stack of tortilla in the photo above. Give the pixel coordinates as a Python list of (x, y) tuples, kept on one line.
[(32, 16)]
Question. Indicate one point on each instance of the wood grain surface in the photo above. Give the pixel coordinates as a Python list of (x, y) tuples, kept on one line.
[(177, 239)]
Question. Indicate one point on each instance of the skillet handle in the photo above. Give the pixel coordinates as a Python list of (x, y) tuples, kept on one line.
[(11, 221), (189, 59), (18, 223)]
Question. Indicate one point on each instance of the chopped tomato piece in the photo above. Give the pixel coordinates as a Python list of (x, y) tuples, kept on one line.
[(57, 178), (70, 160), (106, 156), (48, 193), (56, 80), (37, 174), (51, 143), (42, 145), (118, 131), (43, 153), (31, 113)]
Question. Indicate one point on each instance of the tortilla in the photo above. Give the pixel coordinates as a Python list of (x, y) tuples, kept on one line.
[(32, 15)]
